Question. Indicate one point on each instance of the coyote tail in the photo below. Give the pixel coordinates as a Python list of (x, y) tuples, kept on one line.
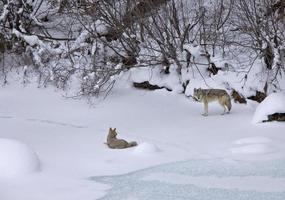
[(132, 144)]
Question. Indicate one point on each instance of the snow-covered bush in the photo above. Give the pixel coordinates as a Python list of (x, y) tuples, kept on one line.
[(274, 103), (16, 158), (91, 42)]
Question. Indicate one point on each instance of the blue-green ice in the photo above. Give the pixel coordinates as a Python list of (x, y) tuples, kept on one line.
[(138, 186)]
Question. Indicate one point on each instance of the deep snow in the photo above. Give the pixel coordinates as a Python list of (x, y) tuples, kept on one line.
[(68, 136)]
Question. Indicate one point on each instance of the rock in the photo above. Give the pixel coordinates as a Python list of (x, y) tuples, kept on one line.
[(238, 98)]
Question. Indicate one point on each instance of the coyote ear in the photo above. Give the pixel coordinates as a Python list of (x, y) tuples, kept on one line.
[(110, 129), (114, 129), (195, 89)]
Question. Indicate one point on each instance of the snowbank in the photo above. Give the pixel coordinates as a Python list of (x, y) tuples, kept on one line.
[(16, 158), (145, 149), (274, 103)]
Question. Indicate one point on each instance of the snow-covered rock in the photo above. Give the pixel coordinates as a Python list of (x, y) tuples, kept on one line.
[(146, 149), (16, 158), (274, 103)]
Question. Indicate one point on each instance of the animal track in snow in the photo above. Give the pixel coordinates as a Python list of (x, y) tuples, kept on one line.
[(45, 121), (6, 117), (54, 122)]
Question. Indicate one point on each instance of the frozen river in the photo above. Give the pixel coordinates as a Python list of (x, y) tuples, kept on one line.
[(201, 180)]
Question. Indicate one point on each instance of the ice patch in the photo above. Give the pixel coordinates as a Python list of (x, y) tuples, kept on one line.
[(201, 179), (248, 183), (16, 158), (146, 149)]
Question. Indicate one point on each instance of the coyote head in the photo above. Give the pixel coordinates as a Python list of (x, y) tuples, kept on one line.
[(112, 133), (197, 93)]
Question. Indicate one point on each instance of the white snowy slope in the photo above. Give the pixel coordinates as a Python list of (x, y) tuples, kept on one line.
[(68, 137)]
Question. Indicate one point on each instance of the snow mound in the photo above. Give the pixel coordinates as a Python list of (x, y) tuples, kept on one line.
[(16, 158), (252, 145), (146, 149), (252, 140), (252, 149), (274, 103)]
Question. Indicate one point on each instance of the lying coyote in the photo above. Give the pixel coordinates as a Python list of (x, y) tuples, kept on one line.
[(115, 143), (209, 95)]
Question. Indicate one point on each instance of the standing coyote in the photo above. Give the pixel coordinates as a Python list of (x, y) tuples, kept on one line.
[(115, 143), (209, 95)]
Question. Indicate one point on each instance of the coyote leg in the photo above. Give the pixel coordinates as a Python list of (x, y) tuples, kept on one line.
[(224, 107), (205, 108)]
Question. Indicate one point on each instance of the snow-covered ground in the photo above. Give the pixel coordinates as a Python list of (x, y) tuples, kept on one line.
[(222, 154)]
